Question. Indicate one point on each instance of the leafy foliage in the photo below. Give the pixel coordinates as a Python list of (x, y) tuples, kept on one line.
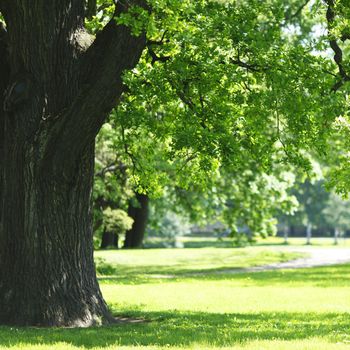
[(225, 95), (116, 220)]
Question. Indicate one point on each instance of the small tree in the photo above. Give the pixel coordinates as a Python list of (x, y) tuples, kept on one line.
[(116, 222)]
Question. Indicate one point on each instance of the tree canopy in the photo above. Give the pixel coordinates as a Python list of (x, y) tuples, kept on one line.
[(232, 88), (228, 83)]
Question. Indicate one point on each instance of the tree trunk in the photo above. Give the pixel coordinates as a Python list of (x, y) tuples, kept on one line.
[(57, 98), (109, 239), (134, 237), (336, 236), (308, 233), (47, 274), (285, 233), (292, 231)]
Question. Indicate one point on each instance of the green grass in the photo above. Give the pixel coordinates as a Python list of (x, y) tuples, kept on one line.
[(147, 265), (291, 309)]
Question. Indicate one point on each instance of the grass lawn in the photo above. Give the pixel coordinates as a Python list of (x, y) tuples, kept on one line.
[(187, 305)]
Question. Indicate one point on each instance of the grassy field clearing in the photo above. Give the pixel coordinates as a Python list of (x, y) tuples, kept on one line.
[(291, 309), (139, 264)]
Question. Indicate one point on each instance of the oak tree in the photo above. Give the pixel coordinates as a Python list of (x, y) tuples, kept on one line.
[(57, 88)]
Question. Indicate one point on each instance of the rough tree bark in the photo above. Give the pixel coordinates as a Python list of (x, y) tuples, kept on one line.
[(4, 79), (58, 94), (134, 237)]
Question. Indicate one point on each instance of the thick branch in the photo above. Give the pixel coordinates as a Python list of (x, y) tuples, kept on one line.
[(152, 53), (345, 36), (155, 57), (248, 66), (114, 50), (297, 12), (114, 167)]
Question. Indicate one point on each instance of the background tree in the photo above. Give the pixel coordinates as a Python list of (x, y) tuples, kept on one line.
[(313, 199), (337, 215), (138, 211), (116, 222), (112, 188)]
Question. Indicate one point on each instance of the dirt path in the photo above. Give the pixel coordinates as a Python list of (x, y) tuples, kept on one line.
[(314, 257)]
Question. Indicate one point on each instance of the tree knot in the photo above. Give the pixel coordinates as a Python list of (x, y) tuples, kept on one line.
[(17, 94)]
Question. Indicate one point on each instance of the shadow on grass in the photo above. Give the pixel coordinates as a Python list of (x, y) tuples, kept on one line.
[(179, 329)]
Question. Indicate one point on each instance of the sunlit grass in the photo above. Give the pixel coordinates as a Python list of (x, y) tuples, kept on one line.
[(140, 264), (312, 344), (304, 309)]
